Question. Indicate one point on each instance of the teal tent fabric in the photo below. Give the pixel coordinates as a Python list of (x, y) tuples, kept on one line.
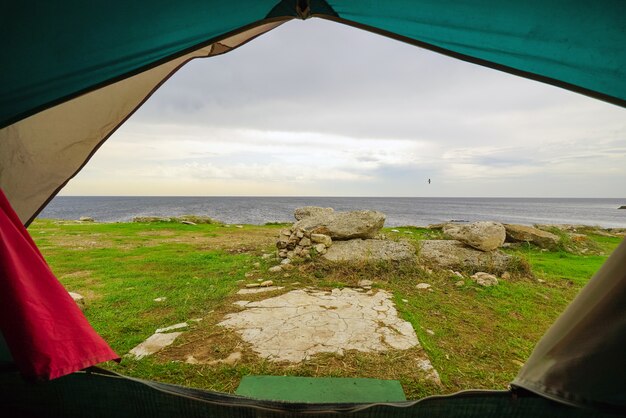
[(53, 51), (576, 44)]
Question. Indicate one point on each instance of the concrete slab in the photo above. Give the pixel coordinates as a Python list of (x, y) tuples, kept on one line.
[(296, 325)]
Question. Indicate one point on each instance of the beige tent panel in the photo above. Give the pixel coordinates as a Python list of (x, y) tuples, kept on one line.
[(40, 154)]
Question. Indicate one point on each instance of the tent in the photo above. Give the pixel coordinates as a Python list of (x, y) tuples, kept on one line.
[(72, 72)]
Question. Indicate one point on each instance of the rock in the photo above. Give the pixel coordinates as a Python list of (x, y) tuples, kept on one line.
[(578, 237), (266, 256), (275, 269), (430, 332), (239, 226), (188, 223), (322, 239), (437, 226), (256, 265), (305, 242), (365, 283), (248, 274), (267, 283), (622, 207), (251, 285), (320, 248), (86, 219), (485, 279), (484, 236), (451, 254), (287, 267), (154, 343), (161, 299), (79, 299), (308, 211), (344, 225), (395, 230), (423, 286), (523, 233), (259, 290), (370, 250), (506, 276), (171, 328), (459, 283), (285, 261)]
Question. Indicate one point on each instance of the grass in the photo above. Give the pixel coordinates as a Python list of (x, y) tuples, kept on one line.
[(475, 337)]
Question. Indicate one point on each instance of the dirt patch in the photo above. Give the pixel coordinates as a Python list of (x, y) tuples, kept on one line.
[(76, 275)]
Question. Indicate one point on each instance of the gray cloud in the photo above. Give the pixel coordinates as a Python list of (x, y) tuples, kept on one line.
[(354, 113)]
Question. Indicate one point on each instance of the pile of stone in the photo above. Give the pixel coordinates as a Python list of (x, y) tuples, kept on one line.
[(297, 242), (473, 246), (340, 236)]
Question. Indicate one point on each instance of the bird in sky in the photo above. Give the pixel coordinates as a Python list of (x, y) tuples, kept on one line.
[(428, 181)]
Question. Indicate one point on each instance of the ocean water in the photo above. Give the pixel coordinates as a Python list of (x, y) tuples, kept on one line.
[(399, 210)]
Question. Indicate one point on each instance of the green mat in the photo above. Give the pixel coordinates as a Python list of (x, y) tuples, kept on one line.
[(320, 389)]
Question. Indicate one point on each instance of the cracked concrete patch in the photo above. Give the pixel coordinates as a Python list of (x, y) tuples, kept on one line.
[(298, 324)]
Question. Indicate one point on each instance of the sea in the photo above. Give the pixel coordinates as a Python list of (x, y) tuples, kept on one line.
[(417, 211)]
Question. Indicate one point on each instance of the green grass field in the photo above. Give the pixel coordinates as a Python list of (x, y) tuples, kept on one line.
[(476, 337)]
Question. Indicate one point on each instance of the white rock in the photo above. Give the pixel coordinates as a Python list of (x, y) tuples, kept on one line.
[(259, 290), (484, 236), (275, 269), (485, 279), (322, 239), (267, 283), (285, 261), (363, 283), (153, 344), (452, 254), (86, 219), (344, 225), (266, 256), (320, 248), (239, 226), (79, 299), (308, 211), (459, 283), (161, 299), (370, 250), (523, 233), (430, 332), (395, 230), (423, 286), (171, 328)]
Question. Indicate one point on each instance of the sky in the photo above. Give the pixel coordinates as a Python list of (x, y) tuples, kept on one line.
[(315, 108)]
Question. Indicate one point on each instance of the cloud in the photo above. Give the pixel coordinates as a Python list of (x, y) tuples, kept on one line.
[(317, 108)]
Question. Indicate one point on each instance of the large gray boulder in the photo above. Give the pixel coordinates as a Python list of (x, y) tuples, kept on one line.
[(343, 225), (484, 236), (308, 211), (370, 250), (452, 254), (523, 233)]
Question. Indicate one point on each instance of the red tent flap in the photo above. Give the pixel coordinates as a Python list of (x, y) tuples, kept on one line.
[(46, 332)]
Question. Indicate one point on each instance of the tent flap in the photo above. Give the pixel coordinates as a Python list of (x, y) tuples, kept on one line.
[(47, 334)]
